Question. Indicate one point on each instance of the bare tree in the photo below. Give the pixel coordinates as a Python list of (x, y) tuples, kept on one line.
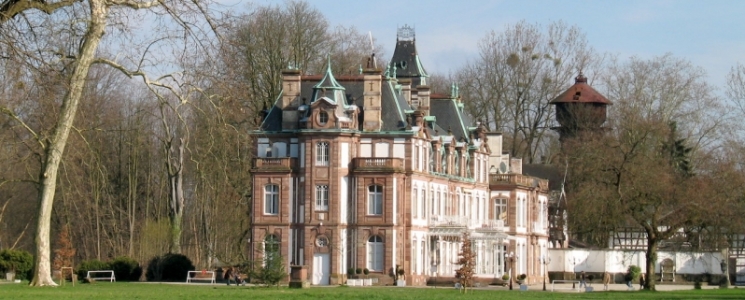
[(518, 72), (647, 171), (77, 59)]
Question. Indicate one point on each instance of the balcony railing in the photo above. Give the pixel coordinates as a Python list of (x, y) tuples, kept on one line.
[(491, 225), (465, 222), (273, 164), (448, 221), (518, 179), (378, 164)]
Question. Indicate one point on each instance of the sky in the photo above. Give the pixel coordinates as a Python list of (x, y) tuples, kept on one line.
[(710, 33)]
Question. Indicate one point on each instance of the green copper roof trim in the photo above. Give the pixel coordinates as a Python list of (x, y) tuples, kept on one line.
[(329, 76), (395, 100), (430, 118)]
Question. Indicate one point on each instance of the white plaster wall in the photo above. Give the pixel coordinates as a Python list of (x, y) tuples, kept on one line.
[(617, 261)]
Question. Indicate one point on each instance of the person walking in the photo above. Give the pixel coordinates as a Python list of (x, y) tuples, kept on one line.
[(642, 281), (606, 281), (582, 280), (229, 275)]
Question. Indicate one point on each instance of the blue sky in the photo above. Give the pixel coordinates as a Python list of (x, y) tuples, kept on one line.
[(709, 33)]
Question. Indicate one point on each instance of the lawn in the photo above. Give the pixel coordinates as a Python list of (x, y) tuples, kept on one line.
[(220, 292)]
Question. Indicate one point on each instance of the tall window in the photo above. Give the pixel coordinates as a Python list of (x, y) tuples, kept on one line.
[(375, 253), (500, 209), (271, 199), (271, 247), (322, 154), (375, 200), (322, 197), (323, 118)]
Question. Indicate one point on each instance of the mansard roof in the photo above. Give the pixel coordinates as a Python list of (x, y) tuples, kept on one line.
[(393, 104), (405, 61), (450, 116)]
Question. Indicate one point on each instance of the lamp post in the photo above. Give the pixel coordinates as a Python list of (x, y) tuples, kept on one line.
[(545, 260), (511, 257)]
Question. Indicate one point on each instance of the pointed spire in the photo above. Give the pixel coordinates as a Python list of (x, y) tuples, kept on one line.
[(328, 81)]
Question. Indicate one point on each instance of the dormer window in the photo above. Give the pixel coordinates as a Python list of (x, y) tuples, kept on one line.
[(323, 118)]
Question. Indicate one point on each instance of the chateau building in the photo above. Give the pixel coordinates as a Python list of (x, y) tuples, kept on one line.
[(373, 171)]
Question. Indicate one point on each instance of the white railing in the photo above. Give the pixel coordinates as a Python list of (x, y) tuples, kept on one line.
[(490, 224), (448, 221), (463, 221)]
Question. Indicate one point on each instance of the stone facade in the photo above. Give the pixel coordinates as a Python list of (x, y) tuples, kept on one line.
[(367, 171)]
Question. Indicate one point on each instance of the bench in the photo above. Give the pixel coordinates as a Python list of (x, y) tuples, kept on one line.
[(110, 276), (200, 275), (574, 282)]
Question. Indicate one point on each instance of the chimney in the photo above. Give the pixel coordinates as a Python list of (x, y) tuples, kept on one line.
[(372, 113), (406, 90), (423, 97), (494, 142), (290, 98)]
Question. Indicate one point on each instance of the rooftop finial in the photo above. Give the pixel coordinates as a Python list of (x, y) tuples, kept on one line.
[(580, 78), (405, 33)]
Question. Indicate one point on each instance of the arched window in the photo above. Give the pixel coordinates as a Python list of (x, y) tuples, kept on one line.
[(271, 247), (375, 200), (271, 199), (375, 254)]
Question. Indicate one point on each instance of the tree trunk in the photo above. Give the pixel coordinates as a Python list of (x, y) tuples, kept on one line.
[(651, 261), (177, 199), (56, 146)]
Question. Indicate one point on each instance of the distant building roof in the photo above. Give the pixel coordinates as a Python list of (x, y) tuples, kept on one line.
[(581, 92)]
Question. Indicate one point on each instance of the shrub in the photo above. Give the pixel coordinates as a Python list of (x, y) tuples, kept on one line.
[(358, 271), (506, 277), (126, 269), (18, 261), (633, 272), (91, 265), (365, 271), (169, 267), (522, 277), (350, 271), (273, 271)]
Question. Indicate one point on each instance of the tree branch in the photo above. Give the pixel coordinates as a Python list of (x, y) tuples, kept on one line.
[(10, 8), (133, 4)]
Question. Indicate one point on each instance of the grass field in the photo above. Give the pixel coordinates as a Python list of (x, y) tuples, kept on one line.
[(125, 290)]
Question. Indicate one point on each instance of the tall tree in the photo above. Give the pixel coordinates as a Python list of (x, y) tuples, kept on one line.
[(646, 172), (77, 58), (467, 262), (518, 72)]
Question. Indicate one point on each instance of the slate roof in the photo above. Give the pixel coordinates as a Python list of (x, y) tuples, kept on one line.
[(405, 62), (448, 113), (450, 117)]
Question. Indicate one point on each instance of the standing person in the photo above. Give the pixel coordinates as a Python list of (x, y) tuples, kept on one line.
[(642, 281), (606, 281), (229, 275), (582, 280), (237, 276)]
